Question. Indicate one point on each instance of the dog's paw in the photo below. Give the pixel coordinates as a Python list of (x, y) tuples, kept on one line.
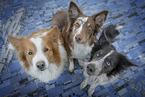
[(83, 84), (91, 91), (81, 63), (71, 67)]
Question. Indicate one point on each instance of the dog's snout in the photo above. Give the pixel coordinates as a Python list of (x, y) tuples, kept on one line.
[(78, 38), (41, 65), (91, 69)]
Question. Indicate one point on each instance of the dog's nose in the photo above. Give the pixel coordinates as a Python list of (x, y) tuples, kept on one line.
[(40, 65), (78, 38), (91, 68)]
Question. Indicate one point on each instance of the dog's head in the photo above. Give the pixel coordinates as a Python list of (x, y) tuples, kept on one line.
[(38, 51), (107, 61), (85, 28)]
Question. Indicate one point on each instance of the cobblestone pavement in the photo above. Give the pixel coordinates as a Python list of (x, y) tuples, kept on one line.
[(22, 17)]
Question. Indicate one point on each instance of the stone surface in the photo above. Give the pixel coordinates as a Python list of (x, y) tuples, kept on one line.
[(22, 17)]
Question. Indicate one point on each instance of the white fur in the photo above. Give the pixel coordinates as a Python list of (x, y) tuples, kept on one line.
[(81, 51), (95, 80), (102, 59), (62, 52), (48, 74), (53, 71), (39, 56), (98, 64), (71, 66), (78, 30)]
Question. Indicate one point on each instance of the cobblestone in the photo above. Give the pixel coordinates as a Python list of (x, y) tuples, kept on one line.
[(22, 17)]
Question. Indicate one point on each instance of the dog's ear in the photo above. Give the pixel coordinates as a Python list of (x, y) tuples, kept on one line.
[(15, 41), (73, 11), (53, 33), (109, 34), (100, 18), (124, 62)]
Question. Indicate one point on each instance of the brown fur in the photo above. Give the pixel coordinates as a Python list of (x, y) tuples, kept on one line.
[(23, 46), (61, 21), (86, 36), (90, 29), (38, 33), (52, 38)]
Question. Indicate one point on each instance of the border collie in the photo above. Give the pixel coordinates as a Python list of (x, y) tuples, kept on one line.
[(79, 31), (42, 53), (106, 63)]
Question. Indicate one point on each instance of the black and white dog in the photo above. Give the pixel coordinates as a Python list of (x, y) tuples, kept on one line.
[(106, 63)]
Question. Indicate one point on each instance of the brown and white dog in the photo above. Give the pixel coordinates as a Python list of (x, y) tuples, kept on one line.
[(79, 31), (42, 53)]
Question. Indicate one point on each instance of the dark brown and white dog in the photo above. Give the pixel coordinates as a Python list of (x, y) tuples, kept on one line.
[(41, 54), (79, 31), (106, 63)]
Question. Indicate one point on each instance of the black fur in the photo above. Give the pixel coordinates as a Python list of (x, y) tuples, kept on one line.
[(121, 62), (105, 63), (107, 37)]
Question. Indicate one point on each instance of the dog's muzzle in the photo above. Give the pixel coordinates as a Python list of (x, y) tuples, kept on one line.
[(91, 69), (78, 38), (41, 65)]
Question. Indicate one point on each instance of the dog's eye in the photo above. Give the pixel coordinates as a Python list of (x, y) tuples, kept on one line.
[(77, 24), (30, 53), (45, 50), (108, 63), (98, 54), (89, 26)]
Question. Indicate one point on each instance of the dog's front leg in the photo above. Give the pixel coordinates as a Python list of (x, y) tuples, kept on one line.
[(71, 65), (81, 63), (92, 89), (84, 84)]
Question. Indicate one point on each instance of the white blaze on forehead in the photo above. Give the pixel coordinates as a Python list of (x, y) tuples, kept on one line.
[(111, 52), (39, 55), (100, 61), (81, 21)]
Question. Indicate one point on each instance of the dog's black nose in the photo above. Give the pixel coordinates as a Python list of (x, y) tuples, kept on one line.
[(41, 65), (91, 69), (78, 38)]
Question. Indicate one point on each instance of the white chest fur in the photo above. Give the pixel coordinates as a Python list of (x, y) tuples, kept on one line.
[(81, 51), (99, 80)]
